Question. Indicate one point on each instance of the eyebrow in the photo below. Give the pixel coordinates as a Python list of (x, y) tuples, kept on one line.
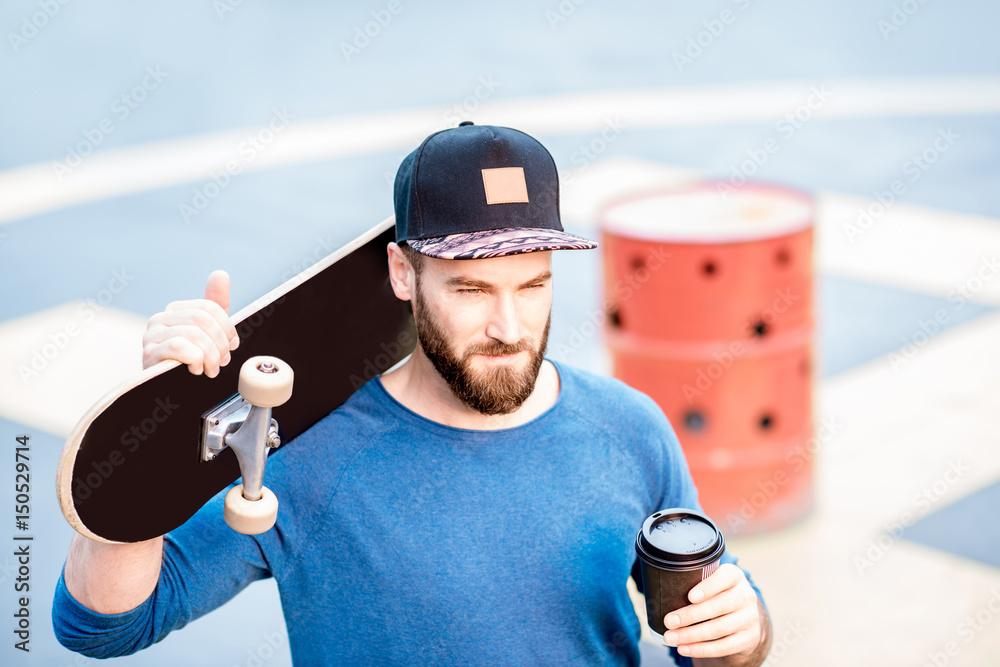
[(462, 281)]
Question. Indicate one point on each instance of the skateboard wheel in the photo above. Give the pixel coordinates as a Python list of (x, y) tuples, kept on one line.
[(250, 517), (265, 381)]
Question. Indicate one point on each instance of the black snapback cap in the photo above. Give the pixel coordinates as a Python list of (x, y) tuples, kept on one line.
[(478, 191)]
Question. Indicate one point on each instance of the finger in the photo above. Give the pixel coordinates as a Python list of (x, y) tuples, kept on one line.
[(177, 349), (212, 357), (716, 628), (743, 641), (217, 289), (183, 344), (213, 309), (723, 603), (161, 327), (725, 577)]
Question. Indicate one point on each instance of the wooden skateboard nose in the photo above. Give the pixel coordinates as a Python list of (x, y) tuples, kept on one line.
[(145, 433)]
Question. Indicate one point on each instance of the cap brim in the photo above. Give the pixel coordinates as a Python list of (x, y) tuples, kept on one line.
[(499, 243)]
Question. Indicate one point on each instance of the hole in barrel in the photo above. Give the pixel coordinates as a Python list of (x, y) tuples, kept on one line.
[(637, 262), (709, 268), (766, 421), (614, 319), (694, 420), (783, 257), (758, 328)]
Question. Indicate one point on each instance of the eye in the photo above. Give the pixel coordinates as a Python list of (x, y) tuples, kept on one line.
[(471, 290)]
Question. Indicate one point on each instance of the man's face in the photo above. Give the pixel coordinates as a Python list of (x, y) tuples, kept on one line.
[(484, 325)]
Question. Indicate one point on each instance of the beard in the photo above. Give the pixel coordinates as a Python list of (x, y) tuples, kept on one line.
[(499, 390)]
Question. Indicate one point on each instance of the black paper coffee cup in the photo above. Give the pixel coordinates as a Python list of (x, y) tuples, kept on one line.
[(677, 548)]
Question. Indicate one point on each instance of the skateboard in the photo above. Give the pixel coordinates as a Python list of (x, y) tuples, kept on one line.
[(155, 449)]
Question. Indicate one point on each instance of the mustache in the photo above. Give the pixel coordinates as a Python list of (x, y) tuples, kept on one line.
[(497, 348)]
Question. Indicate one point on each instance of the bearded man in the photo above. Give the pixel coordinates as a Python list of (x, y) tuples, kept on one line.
[(476, 505)]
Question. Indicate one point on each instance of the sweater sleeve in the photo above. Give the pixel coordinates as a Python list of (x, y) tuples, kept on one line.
[(680, 491), (205, 564)]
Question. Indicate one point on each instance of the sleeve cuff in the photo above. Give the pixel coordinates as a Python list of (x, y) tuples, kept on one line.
[(84, 630)]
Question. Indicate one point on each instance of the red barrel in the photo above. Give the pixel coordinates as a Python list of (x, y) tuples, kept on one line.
[(710, 300)]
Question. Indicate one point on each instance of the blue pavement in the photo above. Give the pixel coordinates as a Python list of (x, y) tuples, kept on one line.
[(859, 322), (966, 527)]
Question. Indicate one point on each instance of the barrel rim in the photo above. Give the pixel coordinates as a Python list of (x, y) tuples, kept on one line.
[(739, 236)]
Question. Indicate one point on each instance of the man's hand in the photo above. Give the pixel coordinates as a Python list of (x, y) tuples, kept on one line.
[(725, 619), (195, 332)]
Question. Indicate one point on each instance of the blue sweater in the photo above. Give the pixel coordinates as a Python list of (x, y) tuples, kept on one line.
[(404, 541)]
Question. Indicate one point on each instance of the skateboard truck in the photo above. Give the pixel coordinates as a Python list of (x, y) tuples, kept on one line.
[(243, 423)]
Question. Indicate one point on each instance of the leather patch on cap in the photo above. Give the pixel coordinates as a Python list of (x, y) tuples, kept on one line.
[(505, 186)]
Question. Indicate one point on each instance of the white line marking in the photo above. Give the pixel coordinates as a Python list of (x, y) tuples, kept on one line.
[(55, 363), (35, 189)]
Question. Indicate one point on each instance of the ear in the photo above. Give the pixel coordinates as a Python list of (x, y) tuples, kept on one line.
[(401, 273)]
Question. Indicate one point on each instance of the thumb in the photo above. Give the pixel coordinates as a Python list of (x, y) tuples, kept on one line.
[(217, 289)]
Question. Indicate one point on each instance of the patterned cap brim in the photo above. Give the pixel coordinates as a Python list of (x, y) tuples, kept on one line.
[(499, 243)]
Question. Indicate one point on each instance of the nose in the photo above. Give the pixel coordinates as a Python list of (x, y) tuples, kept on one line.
[(504, 324)]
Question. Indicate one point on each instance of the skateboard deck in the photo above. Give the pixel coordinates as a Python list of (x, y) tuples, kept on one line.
[(132, 469)]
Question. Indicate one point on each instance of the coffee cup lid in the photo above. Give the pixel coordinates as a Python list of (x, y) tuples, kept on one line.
[(680, 536)]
